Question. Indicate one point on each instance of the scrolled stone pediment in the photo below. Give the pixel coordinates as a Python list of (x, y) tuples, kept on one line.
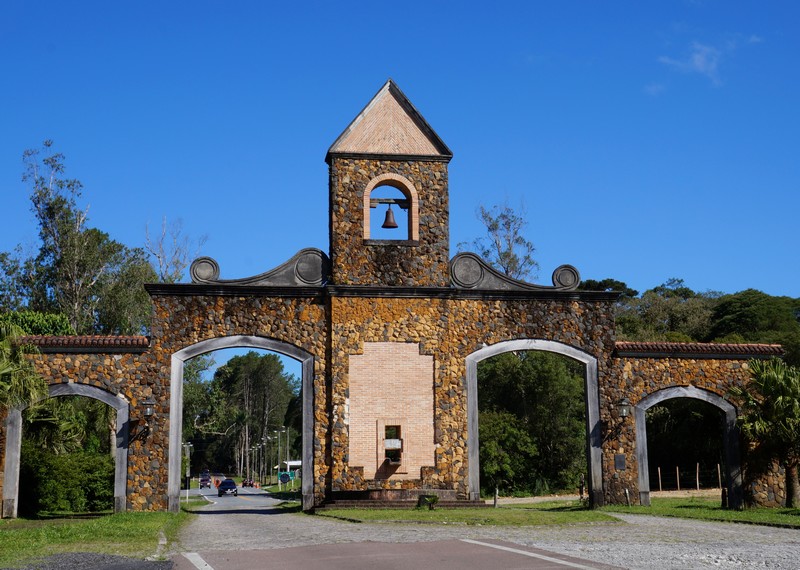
[(307, 268), (470, 271)]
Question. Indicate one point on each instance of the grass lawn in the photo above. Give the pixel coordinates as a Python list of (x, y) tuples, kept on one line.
[(531, 514), (710, 509), (126, 534)]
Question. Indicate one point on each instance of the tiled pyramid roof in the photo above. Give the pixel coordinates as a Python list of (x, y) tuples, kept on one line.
[(390, 125)]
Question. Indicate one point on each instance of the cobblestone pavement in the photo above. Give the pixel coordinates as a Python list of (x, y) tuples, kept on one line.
[(636, 541)]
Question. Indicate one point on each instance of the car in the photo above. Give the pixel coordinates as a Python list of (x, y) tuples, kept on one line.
[(227, 486), (205, 479)]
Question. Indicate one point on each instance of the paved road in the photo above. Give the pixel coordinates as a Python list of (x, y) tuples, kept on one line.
[(227, 537)]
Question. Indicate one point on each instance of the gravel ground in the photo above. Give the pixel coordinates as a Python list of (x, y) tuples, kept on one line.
[(636, 541), (88, 561)]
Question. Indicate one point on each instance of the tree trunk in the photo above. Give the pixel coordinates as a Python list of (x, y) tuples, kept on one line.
[(792, 485)]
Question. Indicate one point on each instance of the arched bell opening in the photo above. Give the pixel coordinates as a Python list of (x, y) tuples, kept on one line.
[(391, 209)]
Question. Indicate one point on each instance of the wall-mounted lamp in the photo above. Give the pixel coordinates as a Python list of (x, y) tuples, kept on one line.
[(148, 411), (624, 408)]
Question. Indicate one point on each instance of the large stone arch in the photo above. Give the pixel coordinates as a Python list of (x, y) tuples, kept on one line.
[(592, 400), (730, 436), (176, 405), (14, 443)]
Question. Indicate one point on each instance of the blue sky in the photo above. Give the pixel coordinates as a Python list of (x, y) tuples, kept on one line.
[(646, 140)]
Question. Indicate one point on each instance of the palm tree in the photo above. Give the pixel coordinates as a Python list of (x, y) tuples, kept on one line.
[(770, 415), (20, 386)]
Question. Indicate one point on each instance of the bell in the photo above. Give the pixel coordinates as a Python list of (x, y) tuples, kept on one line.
[(389, 222)]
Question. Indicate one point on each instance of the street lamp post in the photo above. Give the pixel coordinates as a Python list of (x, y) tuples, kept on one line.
[(271, 462), (279, 432)]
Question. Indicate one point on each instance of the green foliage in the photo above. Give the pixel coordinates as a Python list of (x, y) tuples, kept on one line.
[(769, 416), (540, 395), (609, 285), (504, 245), (25, 542), (77, 482), (551, 513), (248, 399), (70, 424), (669, 312), (757, 317), (674, 312), (701, 508), (507, 451), (36, 323), (19, 383), (78, 271)]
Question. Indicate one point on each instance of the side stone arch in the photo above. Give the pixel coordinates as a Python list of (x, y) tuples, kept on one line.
[(592, 401), (306, 360), (14, 444), (730, 435)]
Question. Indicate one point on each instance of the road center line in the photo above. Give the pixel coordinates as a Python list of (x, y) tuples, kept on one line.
[(526, 553), (197, 560)]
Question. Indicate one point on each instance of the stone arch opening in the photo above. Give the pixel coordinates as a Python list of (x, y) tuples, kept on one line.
[(409, 203), (176, 405), (592, 402), (14, 444), (730, 434)]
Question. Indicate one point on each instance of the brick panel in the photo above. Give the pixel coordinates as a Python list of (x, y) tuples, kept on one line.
[(391, 382)]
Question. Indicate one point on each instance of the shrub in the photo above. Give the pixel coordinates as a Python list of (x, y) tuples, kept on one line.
[(78, 482)]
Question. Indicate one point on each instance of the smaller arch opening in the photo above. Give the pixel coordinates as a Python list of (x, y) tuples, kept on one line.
[(389, 214), (391, 210)]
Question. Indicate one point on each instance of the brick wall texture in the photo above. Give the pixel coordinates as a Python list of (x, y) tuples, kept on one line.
[(391, 384)]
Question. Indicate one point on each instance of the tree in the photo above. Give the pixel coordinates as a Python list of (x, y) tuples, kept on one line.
[(769, 416), (506, 450), (504, 245), (544, 392), (19, 384), (609, 285), (668, 312), (36, 323), (247, 400), (753, 316), (170, 251), (78, 270)]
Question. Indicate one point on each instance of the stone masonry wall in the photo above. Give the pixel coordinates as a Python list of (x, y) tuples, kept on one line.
[(182, 321), (131, 376), (636, 378), (424, 264), (448, 330)]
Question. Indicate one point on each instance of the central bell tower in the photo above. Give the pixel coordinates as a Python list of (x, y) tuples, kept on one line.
[(389, 204)]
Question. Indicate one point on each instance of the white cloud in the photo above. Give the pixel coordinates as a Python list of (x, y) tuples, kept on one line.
[(702, 59), (654, 88)]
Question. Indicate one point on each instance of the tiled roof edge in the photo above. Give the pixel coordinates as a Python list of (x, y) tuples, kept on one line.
[(87, 343), (696, 350)]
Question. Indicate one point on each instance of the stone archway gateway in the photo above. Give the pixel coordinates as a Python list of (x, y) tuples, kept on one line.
[(13, 443), (593, 426), (389, 333), (730, 436), (176, 397)]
